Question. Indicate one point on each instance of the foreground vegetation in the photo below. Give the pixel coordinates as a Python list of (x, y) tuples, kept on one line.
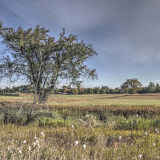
[(77, 131), (77, 143)]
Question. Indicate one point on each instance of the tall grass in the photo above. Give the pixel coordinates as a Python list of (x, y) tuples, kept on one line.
[(81, 133), (76, 143)]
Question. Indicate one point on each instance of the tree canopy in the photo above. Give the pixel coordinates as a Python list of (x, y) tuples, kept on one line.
[(35, 55), (131, 86)]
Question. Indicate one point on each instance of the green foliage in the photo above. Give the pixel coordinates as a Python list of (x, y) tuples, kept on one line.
[(74, 91), (131, 86), (71, 133), (17, 114), (96, 90), (137, 124), (103, 91), (42, 61), (151, 87), (89, 91), (50, 122)]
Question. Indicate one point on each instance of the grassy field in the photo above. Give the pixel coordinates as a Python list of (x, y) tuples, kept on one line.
[(91, 100), (81, 127)]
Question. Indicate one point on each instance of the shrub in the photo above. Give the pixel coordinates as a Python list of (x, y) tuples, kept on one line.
[(137, 123), (43, 122)]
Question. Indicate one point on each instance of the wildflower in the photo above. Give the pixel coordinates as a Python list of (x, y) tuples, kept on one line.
[(76, 142), (146, 133), (37, 141), (24, 141), (154, 144), (72, 126), (140, 156), (35, 137), (34, 144), (42, 134), (84, 146), (157, 130), (20, 151), (120, 138), (137, 116)]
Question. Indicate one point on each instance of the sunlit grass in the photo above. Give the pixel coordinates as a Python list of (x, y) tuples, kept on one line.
[(84, 127), (91, 100), (77, 143)]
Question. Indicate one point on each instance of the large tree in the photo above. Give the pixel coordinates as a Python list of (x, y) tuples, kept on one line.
[(151, 87), (131, 86), (35, 55)]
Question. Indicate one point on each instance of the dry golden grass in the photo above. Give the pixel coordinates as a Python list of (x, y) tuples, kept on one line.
[(28, 143), (86, 136), (91, 100)]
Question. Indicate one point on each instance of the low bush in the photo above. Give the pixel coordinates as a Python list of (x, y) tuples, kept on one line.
[(137, 124), (50, 122)]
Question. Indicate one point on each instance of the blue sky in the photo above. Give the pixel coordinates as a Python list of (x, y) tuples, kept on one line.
[(125, 33)]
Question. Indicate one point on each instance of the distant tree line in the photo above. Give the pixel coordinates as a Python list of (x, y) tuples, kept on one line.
[(130, 86), (21, 89)]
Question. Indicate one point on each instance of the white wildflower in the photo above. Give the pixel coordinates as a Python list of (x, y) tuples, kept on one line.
[(120, 138), (154, 144), (140, 156), (24, 141), (76, 142), (34, 144), (37, 141), (137, 116), (84, 146), (42, 134), (20, 151), (35, 137), (146, 133), (157, 130), (72, 126)]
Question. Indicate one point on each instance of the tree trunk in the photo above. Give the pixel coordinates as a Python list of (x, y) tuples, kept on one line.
[(42, 98)]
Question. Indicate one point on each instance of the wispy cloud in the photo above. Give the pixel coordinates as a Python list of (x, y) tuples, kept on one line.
[(124, 33)]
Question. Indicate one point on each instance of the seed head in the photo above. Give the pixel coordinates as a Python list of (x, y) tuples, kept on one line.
[(24, 141), (76, 142), (120, 138), (42, 134), (84, 146), (140, 156), (34, 144)]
